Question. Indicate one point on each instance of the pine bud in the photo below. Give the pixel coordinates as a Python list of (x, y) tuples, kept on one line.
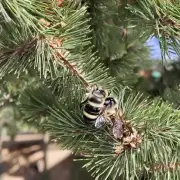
[(59, 3)]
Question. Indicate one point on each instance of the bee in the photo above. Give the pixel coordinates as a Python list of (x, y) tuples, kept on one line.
[(94, 104)]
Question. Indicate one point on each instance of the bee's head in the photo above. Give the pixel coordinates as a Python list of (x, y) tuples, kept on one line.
[(110, 102), (110, 105)]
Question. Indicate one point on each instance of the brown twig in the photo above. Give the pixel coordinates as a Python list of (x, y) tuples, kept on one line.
[(58, 43), (20, 50), (72, 68)]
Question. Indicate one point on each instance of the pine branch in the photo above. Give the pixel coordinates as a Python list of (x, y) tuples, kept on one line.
[(159, 144), (156, 122), (62, 53), (172, 96), (24, 13), (112, 16), (65, 43), (40, 105), (20, 52), (163, 18), (85, 60), (101, 13), (132, 52), (122, 47), (72, 68), (64, 85)]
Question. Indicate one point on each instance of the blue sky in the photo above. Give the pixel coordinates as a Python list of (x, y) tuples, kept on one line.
[(153, 43)]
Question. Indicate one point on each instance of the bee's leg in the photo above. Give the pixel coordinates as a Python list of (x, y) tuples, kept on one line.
[(102, 110), (109, 121), (119, 113)]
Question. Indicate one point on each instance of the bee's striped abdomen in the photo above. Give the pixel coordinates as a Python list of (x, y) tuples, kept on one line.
[(96, 100), (94, 104), (92, 109)]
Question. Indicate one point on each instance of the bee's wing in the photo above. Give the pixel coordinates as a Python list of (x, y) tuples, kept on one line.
[(100, 121), (118, 129)]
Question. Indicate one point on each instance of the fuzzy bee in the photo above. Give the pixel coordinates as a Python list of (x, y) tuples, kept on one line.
[(94, 104)]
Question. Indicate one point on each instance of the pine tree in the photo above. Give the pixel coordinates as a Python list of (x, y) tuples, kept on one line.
[(69, 45)]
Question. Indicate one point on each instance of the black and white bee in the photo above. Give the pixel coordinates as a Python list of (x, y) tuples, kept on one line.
[(98, 107), (94, 104)]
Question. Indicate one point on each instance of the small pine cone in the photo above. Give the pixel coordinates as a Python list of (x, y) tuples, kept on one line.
[(126, 133), (119, 149), (127, 140), (133, 144)]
